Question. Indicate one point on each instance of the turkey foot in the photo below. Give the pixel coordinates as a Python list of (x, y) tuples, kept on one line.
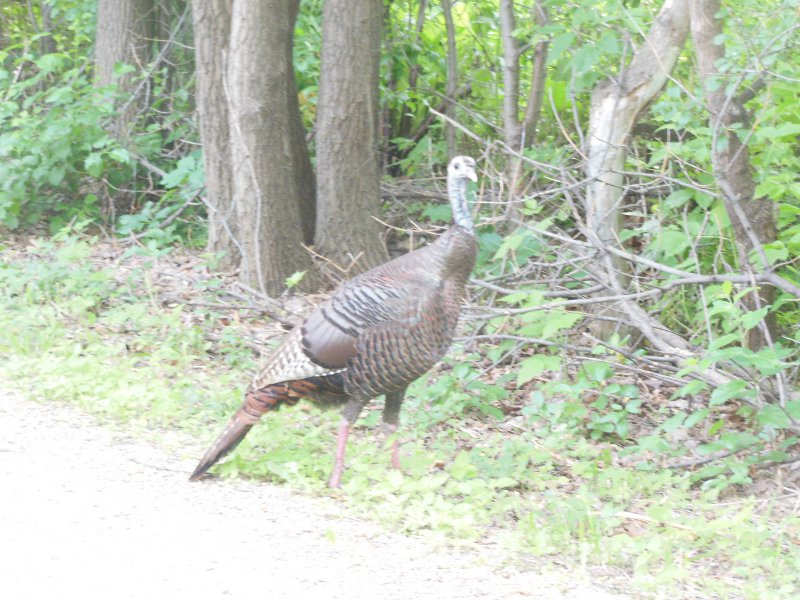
[(390, 429), (335, 480)]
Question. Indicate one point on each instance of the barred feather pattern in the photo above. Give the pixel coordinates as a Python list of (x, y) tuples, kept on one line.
[(289, 363), (380, 331), (327, 390)]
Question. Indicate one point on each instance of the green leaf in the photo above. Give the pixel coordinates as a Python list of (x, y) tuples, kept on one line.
[(697, 416), (653, 443), (585, 58), (535, 365), (94, 164), (462, 467), (692, 388), (773, 415), (559, 44), (753, 318), (722, 341), (678, 198), (559, 320), (56, 175), (481, 75), (120, 155), (782, 130), (295, 278), (793, 408), (608, 43), (729, 391), (775, 251), (672, 242), (674, 422)]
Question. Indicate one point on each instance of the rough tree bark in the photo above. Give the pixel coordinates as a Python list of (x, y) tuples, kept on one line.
[(269, 182), (212, 28), (616, 105), (753, 219), (123, 36), (348, 172)]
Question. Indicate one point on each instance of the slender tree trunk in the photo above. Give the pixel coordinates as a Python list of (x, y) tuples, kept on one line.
[(452, 79), (753, 219), (617, 104), (212, 30), (406, 119), (266, 173), (46, 42), (519, 134), (511, 52), (123, 36), (348, 174), (538, 78)]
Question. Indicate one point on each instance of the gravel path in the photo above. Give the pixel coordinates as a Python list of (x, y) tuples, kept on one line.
[(89, 512)]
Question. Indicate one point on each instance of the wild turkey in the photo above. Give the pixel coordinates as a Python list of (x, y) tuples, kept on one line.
[(377, 333)]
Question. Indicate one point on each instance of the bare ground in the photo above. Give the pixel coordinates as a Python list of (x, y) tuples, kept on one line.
[(88, 511)]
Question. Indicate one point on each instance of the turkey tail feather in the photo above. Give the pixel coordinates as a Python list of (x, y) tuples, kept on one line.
[(256, 403), (230, 437)]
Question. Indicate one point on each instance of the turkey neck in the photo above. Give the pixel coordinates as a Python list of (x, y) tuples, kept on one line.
[(457, 194), (459, 248)]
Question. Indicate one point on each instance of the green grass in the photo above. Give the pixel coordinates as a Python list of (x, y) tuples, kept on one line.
[(76, 331)]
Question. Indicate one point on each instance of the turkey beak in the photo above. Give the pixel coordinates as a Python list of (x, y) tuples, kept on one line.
[(472, 175)]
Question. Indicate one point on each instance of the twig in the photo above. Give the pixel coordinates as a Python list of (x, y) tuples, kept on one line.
[(645, 519)]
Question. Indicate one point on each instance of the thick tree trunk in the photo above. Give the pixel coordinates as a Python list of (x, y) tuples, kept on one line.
[(212, 29), (616, 105), (753, 219), (123, 36), (266, 174), (348, 173)]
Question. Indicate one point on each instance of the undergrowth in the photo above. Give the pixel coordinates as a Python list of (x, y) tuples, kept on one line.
[(78, 331)]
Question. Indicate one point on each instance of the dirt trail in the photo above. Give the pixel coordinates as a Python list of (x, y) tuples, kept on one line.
[(89, 512)]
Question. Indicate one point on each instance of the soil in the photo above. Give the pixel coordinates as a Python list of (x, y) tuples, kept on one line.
[(91, 512)]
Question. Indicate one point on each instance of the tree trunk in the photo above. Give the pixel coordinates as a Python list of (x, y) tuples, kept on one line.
[(348, 174), (266, 173), (616, 105), (511, 52), (452, 80), (46, 42), (517, 134), (538, 78), (753, 219), (123, 36), (406, 119), (520, 134), (304, 179), (212, 29)]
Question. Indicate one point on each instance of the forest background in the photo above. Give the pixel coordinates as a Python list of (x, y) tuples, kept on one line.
[(624, 390)]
